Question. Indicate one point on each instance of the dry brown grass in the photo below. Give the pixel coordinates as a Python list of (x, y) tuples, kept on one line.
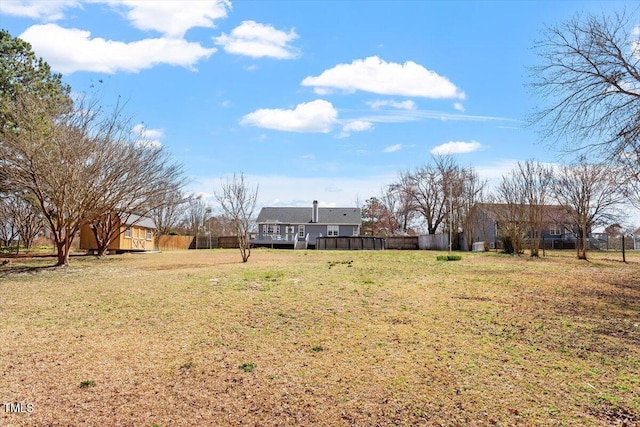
[(197, 338)]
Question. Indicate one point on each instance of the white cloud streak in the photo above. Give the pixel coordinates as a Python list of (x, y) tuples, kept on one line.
[(257, 40), (315, 116), (385, 78), (71, 50), (456, 147), (400, 105), (392, 148)]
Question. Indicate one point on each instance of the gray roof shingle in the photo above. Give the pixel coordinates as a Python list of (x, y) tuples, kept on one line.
[(285, 215)]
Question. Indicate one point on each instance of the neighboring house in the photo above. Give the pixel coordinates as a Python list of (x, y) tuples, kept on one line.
[(300, 227), (636, 239), (488, 219), (137, 233)]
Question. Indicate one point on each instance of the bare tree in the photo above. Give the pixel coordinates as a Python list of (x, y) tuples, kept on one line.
[(511, 213), (238, 201), (195, 215), (51, 155), (27, 218), (472, 193), (377, 219), (8, 228), (525, 193), (589, 80), (138, 178), (79, 166), (399, 200), (430, 186), (536, 182), (590, 194), (166, 211)]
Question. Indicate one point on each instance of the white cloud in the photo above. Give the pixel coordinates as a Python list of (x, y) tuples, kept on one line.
[(48, 11), (458, 106), (400, 105), (71, 50), (314, 116), (357, 126), (169, 17), (147, 137), (392, 148), (257, 40), (456, 147), (385, 78), (172, 18)]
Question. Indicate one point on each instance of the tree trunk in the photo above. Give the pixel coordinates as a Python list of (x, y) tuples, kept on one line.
[(245, 249), (102, 250), (582, 243), (63, 254)]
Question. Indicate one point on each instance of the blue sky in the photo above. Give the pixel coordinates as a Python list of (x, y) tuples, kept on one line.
[(323, 100)]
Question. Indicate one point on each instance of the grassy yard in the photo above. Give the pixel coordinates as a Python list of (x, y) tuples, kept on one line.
[(196, 338)]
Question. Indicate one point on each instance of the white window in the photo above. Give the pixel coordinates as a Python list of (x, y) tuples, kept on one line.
[(127, 232), (333, 230), (271, 229), (291, 229), (301, 231), (148, 234), (555, 230)]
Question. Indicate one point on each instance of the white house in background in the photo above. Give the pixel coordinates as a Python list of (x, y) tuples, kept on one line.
[(636, 239), (300, 227)]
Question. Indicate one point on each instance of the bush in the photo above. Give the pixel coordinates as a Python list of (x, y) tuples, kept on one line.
[(449, 257)]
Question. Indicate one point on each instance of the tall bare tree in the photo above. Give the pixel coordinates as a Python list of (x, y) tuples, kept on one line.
[(78, 165), (398, 197), (589, 80), (590, 195), (27, 217), (429, 187), (471, 193), (535, 180), (138, 177), (511, 213), (238, 201), (50, 156), (166, 212), (195, 215), (8, 228)]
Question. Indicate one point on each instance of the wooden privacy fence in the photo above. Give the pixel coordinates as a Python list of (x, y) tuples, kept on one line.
[(172, 243), (350, 243), (402, 242), (438, 242)]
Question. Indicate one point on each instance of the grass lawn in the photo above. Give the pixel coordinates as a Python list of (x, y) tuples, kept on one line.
[(321, 338)]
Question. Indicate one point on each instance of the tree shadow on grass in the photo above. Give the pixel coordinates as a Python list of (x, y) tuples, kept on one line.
[(12, 270)]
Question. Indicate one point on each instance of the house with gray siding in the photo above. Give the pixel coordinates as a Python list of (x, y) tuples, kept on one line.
[(299, 227), (559, 229)]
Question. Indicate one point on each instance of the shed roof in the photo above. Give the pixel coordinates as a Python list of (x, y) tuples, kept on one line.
[(140, 221), (286, 215)]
